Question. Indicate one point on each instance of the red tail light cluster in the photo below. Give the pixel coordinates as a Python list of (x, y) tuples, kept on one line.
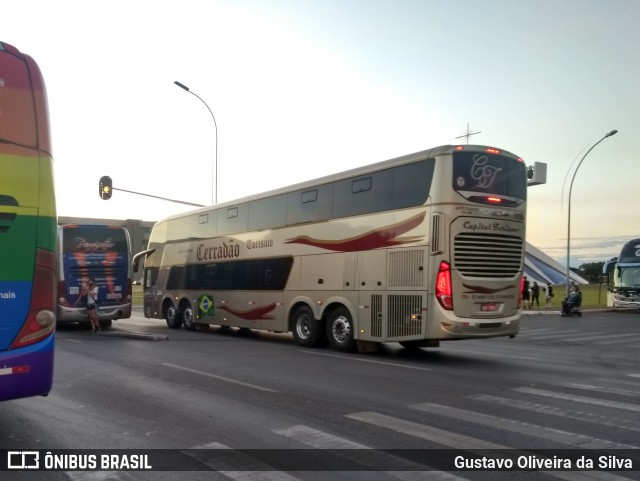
[(520, 299), (443, 286), (41, 320)]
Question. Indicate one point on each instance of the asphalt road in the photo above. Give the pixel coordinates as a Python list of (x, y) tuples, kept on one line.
[(563, 383)]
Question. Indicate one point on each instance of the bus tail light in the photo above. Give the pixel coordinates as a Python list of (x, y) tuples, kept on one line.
[(443, 286), (520, 296), (41, 320), (62, 295)]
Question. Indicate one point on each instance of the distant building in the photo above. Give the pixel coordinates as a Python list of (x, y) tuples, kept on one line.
[(538, 266)]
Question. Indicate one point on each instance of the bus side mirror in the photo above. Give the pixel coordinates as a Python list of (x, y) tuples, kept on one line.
[(537, 174), (138, 256)]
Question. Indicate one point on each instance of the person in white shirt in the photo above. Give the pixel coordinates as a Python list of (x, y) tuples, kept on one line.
[(92, 307)]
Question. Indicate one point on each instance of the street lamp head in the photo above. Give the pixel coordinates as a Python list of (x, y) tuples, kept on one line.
[(182, 86), (613, 132)]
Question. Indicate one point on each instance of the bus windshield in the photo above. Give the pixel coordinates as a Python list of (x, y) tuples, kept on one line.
[(489, 178), (627, 276)]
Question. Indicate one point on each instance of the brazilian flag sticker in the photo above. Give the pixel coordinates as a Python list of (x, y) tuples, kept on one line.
[(205, 305)]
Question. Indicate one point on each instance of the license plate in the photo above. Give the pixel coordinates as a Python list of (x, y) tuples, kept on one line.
[(488, 307)]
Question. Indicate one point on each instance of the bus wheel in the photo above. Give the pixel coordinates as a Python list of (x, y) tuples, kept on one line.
[(106, 324), (173, 319), (188, 318), (340, 330), (307, 331)]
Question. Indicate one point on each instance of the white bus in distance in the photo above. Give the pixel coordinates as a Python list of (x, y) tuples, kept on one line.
[(418, 249), (623, 277)]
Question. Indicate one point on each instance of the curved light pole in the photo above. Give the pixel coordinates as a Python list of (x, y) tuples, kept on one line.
[(613, 132), (214, 199)]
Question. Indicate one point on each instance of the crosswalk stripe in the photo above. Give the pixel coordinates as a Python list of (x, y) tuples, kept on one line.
[(624, 382), (551, 434), (407, 470), (477, 352), (613, 390), (247, 468), (622, 423), (593, 336), (428, 433), (98, 476), (460, 441), (579, 398), (630, 338), (549, 334)]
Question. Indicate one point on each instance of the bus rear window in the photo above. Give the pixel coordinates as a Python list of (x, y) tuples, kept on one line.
[(18, 115), (489, 178)]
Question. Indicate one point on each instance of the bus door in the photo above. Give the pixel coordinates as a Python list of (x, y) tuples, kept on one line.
[(371, 283)]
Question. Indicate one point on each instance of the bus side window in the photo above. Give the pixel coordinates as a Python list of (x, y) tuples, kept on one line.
[(210, 276), (268, 277)]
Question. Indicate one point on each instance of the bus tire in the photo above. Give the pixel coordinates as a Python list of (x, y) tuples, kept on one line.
[(106, 324), (171, 315), (340, 330), (188, 316), (307, 330)]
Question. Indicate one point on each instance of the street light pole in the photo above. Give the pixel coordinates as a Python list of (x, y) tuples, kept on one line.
[(214, 197), (613, 132)]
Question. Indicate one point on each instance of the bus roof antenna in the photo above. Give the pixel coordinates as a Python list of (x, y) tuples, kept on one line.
[(468, 133)]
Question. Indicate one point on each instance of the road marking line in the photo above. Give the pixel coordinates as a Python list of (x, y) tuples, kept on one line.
[(460, 441), (502, 355), (550, 335), (407, 471), (621, 423), (428, 433), (578, 398), (592, 337), (627, 338), (556, 435), (220, 378), (365, 360), (613, 390), (77, 341), (246, 469), (98, 476)]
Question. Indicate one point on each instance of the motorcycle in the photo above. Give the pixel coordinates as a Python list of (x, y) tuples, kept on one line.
[(571, 304)]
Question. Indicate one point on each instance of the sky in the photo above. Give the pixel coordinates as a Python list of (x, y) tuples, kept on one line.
[(305, 88)]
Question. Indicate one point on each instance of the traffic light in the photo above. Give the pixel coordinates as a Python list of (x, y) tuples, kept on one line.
[(106, 187)]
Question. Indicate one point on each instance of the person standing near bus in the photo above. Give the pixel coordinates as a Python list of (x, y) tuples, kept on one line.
[(535, 294), (92, 305), (90, 292), (525, 293), (549, 294)]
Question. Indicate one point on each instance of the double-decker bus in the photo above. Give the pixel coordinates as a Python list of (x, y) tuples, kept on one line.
[(101, 253), (417, 249), (623, 275), (27, 230)]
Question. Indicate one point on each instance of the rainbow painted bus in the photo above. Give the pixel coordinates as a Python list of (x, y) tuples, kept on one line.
[(418, 249), (27, 230), (101, 253)]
